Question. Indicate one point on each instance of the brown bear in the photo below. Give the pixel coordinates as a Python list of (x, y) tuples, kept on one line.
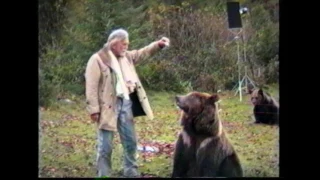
[(265, 107), (202, 149)]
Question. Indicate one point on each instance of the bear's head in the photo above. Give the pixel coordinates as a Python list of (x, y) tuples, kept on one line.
[(196, 103), (257, 96)]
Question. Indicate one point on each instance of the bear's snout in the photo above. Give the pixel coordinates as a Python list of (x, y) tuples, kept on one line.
[(178, 100), (254, 101)]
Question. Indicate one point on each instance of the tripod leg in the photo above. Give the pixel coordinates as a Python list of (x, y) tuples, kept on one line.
[(247, 90), (235, 87), (252, 82), (240, 90), (239, 86)]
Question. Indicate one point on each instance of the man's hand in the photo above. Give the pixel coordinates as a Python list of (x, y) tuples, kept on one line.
[(95, 117), (164, 41), (130, 86)]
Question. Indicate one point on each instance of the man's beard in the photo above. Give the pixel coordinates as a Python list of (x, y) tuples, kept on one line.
[(122, 54)]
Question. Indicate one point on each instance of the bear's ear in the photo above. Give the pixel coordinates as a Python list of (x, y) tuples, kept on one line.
[(260, 92), (250, 91), (213, 99)]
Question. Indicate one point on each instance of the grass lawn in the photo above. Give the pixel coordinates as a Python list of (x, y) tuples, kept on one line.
[(68, 138)]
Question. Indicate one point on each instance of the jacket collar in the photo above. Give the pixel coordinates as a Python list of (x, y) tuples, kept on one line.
[(103, 53)]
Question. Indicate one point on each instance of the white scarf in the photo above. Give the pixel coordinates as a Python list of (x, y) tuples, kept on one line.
[(126, 77), (128, 73), (121, 88)]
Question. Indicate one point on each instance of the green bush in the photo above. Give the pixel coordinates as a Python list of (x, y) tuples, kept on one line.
[(48, 91), (160, 76), (202, 55), (77, 89)]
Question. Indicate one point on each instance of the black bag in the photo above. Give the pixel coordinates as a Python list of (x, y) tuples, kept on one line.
[(136, 105)]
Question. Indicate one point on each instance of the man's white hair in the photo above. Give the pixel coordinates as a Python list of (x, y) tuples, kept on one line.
[(120, 34)]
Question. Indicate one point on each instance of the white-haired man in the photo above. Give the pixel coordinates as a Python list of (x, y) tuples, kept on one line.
[(115, 95)]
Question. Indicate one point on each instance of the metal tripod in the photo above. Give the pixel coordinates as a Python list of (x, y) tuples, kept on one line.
[(246, 80), (243, 84)]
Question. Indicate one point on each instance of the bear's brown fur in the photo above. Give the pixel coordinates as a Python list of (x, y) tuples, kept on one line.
[(202, 149), (266, 108)]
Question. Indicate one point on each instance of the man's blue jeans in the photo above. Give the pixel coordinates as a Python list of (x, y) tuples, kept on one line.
[(128, 140)]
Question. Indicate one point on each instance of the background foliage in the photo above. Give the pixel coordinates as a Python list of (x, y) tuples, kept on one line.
[(202, 55)]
